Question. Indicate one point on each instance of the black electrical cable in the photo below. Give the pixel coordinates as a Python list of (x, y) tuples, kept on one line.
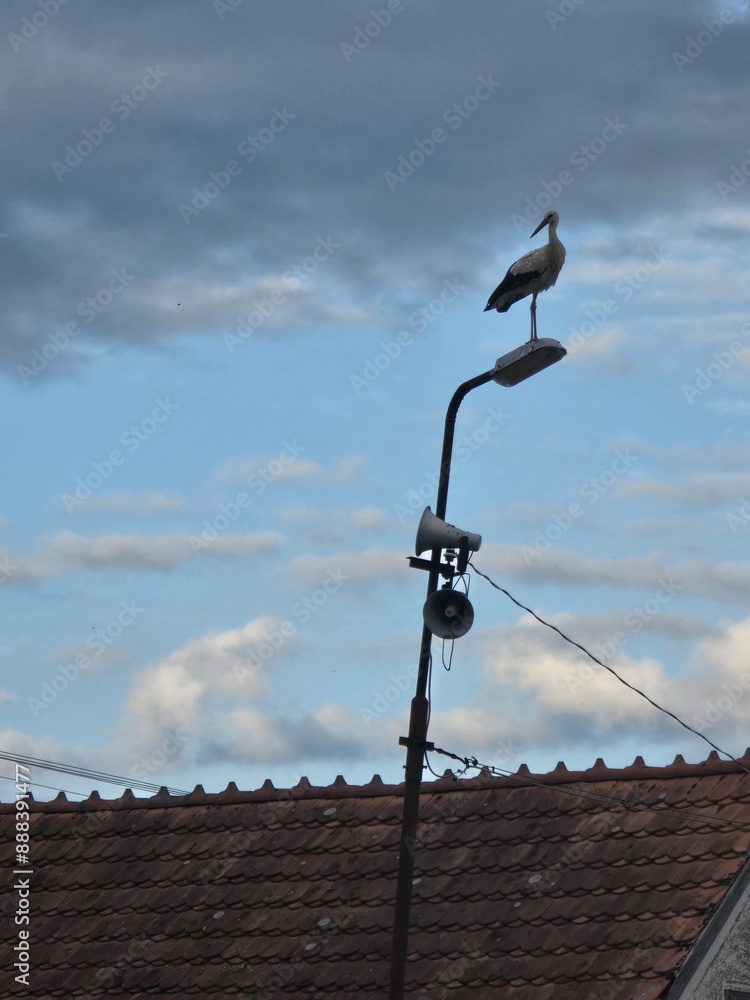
[(52, 788), (598, 797), (82, 772), (614, 673)]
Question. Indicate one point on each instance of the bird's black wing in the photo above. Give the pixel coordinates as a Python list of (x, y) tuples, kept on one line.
[(511, 281)]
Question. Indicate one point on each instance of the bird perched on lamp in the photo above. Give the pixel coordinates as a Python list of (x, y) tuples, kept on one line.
[(533, 273)]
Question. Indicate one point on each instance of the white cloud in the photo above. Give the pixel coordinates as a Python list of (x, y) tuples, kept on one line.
[(730, 407), (706, 489), (721, 457), (348, 468), (256, 736), (370, 518), (66, 552), (330, 731), (543, 693), (288, 465), (165, 697), (173, 693), (609, 347), (558, 678), (649, 574), (284, 466), (697, 281), (334, 527), (224, 661), (357, 570)]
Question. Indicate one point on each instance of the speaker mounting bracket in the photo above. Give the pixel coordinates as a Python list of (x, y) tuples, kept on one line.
[(445, 568), (404, 741)]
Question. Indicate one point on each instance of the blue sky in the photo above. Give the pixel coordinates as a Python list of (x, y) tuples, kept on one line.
[(231, 329)]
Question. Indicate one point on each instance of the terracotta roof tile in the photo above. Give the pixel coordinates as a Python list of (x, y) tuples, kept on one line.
[(522, 890)]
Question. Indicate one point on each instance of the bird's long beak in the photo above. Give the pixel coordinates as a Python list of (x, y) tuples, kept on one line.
[(541, 225)]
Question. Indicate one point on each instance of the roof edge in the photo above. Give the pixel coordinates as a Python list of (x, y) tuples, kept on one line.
[(712, 935)]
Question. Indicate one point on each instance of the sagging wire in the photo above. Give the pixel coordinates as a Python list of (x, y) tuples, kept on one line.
[(82, 772), (447, 666), (614, 673), (465, 579), (471, 763), (52, 788)]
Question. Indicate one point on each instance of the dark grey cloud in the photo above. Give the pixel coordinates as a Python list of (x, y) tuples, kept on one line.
[(185, 89)]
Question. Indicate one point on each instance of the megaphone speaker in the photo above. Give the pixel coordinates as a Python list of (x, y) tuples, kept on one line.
[(434, 533), (448, 613)]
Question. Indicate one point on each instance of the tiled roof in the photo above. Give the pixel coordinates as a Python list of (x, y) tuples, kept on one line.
[(522, 891)]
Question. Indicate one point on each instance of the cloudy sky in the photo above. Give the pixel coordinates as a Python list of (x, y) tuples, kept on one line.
[(246, 248)]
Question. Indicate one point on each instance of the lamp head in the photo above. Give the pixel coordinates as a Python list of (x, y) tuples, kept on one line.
[(528, 359)]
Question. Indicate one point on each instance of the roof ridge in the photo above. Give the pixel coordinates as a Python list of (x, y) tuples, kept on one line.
[(523, 776)]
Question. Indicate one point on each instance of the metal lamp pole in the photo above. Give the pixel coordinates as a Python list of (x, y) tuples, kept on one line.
[(509, 370)]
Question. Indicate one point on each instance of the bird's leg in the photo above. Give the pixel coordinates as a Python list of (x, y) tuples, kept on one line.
[(533, 317)]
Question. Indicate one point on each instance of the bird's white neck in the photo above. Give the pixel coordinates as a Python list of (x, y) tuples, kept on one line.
[(556, 249)]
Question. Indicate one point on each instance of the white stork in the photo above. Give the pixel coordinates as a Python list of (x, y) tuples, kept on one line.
[(533, 273)]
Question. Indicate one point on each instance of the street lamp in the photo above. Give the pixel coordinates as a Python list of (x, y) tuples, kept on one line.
[(514, 367)]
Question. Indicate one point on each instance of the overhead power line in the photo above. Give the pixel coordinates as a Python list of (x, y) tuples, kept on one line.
[(83, 772), (598, 797), (38, 784), (614, 673)]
